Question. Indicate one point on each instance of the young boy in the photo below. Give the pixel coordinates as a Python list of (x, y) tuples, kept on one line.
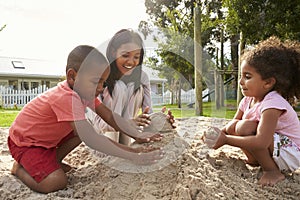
[(53, 124)]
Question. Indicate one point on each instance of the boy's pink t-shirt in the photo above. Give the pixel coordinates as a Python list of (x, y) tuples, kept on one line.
[(45, 120), (288, 123)]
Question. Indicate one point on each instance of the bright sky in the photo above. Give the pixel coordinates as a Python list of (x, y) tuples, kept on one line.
[(50, 29)]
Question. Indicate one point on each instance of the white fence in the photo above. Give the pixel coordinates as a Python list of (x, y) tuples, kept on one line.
[(10, 98), (186, 97)]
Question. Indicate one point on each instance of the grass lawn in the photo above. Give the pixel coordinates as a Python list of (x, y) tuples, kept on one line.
[(209, 110), (7, 116)]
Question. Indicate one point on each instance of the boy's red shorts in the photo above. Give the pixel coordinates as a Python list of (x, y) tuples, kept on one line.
[(39, 162)]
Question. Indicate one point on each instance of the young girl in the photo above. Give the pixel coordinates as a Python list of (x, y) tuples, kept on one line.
[(266, 127), (128, 86)]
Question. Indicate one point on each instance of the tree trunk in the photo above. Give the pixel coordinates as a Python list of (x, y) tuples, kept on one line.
[(234, 47), (179, 92), (198, 61), (217, 89), (241, 48), (173, 91), (222, 95)]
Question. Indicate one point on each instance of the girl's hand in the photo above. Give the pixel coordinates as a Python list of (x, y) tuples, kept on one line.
[(214, 138), (145, 137), (221, 140), (147, 155), (169, 116)]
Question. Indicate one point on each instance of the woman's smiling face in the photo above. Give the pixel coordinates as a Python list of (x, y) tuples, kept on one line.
[(128, 57)]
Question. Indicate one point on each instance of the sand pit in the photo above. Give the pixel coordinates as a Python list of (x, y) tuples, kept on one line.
[(189, 171)]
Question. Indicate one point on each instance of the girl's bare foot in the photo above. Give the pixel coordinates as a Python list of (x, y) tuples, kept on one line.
[(15, 167), (270, 178)]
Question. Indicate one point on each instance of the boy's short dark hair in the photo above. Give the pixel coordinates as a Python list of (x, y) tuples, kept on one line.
[(84, 54)]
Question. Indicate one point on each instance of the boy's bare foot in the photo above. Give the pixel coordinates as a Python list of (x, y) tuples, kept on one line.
[(15, 167), (65, 167), (270, 178)]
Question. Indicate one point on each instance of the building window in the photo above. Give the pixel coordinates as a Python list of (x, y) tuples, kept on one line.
[(24, 85), (13, 84), (18, 64), (159, 88), (34, 85), (46, 83), (3, 83)]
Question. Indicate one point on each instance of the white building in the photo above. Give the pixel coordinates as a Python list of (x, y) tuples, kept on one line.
[(26, 74)]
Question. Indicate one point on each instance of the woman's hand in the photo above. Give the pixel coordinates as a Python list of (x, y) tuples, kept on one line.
[(169, 116), (143, 119)]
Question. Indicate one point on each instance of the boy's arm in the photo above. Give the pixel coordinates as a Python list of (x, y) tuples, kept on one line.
[(101, 143), (124, 126)]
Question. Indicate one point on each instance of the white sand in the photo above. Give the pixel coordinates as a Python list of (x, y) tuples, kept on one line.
[(188, 171)]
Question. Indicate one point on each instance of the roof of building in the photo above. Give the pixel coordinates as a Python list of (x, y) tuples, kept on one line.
[(25, 67), (153, 75)]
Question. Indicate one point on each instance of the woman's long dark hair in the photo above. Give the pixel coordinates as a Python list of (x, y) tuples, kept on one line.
[(123, 36)]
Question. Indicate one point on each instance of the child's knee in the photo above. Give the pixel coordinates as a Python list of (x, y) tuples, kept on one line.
[(246, 127), (57, 180), (230, 130), (231, 127)]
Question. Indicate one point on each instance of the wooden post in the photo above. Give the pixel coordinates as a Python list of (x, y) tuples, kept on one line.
[(198, 62), (222, 91), (217, 81), (217, 89), (241, 48)]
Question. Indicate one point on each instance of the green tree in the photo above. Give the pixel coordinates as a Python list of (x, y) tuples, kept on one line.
[(260, 19), (257, 20), (175, 18)]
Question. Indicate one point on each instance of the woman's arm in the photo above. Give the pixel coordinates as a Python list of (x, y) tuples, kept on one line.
[(147, 93)]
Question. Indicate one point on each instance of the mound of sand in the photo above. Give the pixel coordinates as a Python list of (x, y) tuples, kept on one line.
[(188, 171)]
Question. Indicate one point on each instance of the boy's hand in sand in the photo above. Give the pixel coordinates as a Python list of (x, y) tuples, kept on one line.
[(147, 155), (145, 137), (214, 138)]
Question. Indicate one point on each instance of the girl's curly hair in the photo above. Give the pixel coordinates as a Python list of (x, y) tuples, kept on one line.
[(280, 60)]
